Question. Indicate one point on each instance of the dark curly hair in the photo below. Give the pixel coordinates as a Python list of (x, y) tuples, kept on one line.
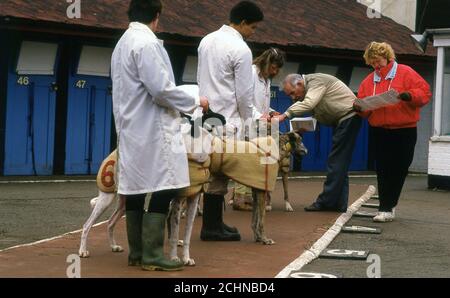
[(144, 11), (246, 11)]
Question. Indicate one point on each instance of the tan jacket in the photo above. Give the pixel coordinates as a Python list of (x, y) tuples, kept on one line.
[(328, 98)]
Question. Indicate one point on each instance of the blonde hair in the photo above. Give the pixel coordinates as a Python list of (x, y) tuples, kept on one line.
[(379, 49), (269, 57)]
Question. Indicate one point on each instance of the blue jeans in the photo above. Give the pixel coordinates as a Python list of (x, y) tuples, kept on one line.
[(336, 186)]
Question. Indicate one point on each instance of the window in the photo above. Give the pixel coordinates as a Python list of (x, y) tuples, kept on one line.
[(37, 58), (446, 96), (327, 69), (358, 75), (190, 70), (95, 61), (288, 68)]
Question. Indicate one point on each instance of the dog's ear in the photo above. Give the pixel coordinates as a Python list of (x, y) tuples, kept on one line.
[(293, 136), (216, 116)]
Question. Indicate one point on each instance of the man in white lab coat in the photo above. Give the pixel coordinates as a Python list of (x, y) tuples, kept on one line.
[(225, 77), (146, 107)]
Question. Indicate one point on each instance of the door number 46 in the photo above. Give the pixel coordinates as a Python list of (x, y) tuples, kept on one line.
[(24, 81)]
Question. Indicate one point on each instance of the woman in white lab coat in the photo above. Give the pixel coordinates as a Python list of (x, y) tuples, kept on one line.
[(146, 107), (265, 68)]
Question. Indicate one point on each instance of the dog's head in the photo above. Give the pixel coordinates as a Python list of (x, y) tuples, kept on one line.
[(291, 142), (210, 120)]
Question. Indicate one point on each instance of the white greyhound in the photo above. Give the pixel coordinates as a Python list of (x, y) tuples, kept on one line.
[(199, 160)]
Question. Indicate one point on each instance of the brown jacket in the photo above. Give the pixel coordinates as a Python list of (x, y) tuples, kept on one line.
[(328, 98)]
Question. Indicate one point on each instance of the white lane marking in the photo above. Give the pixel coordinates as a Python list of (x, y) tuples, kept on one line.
[(314, 252), (51, 239), (44, 181), (279, 178)]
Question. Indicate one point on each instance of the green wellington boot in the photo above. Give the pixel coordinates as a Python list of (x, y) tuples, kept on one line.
[(134, 234), (153, 226)]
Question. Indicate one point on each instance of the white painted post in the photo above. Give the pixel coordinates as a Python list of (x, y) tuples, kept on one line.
[(439, 92)]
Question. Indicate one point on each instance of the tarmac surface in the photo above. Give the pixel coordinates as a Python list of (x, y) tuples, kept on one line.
[(417, 244)]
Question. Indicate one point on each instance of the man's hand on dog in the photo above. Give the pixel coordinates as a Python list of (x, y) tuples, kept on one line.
[(279, 118), (274, 113), (265, 117), (204, 103)]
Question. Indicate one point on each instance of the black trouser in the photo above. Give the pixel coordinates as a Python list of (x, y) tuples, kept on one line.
[(336, 188), (159, 202), (394, 153)]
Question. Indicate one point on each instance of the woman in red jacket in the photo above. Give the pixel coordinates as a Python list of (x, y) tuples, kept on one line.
[(394, 127)]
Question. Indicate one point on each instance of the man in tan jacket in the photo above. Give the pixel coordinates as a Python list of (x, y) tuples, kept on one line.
[(331, 102)]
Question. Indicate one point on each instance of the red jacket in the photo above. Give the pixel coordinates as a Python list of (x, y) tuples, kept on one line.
[(404, 114)]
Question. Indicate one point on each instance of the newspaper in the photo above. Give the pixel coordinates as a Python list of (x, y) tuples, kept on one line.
[(304, 124), (378, 101)]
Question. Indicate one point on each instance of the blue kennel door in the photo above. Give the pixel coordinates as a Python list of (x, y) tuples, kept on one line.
[(30, 112), (89, 112), (319, 147)]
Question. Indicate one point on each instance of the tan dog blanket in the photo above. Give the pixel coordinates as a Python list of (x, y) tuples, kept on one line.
[(198, 173), (253, 164)]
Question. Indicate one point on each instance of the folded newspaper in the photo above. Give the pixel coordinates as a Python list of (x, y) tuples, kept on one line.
[(303, 123), (378, 101)]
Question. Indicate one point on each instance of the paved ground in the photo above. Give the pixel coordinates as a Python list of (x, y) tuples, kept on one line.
[(415, 245), (31, 212)]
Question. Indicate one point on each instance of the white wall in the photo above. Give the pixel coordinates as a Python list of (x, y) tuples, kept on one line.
[(439, 162), (401, 11)]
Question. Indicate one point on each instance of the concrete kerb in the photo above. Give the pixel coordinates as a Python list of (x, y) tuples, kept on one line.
[(314, 252)]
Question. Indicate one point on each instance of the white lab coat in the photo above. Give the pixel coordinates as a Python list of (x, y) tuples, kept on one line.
[(261, 98), (225, 75), (146, 105)]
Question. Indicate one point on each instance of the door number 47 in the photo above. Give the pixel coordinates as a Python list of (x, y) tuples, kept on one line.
[(81, 84)]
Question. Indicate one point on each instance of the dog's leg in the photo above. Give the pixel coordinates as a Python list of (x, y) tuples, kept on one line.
[(269, 202), (113, 220), (99, 204), (199, 209), (192, 204), (174, 221), (258, 218), (287, 204)]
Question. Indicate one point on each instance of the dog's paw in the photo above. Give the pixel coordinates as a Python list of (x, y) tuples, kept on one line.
[(265, 241), (268, 242), (117, 248), (268, 208), (180, 243), (289, 207), (188, 262), (230, 202), (175, 259), (83, 254)]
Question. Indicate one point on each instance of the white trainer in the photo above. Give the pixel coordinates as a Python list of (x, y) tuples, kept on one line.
[(384, 217)]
